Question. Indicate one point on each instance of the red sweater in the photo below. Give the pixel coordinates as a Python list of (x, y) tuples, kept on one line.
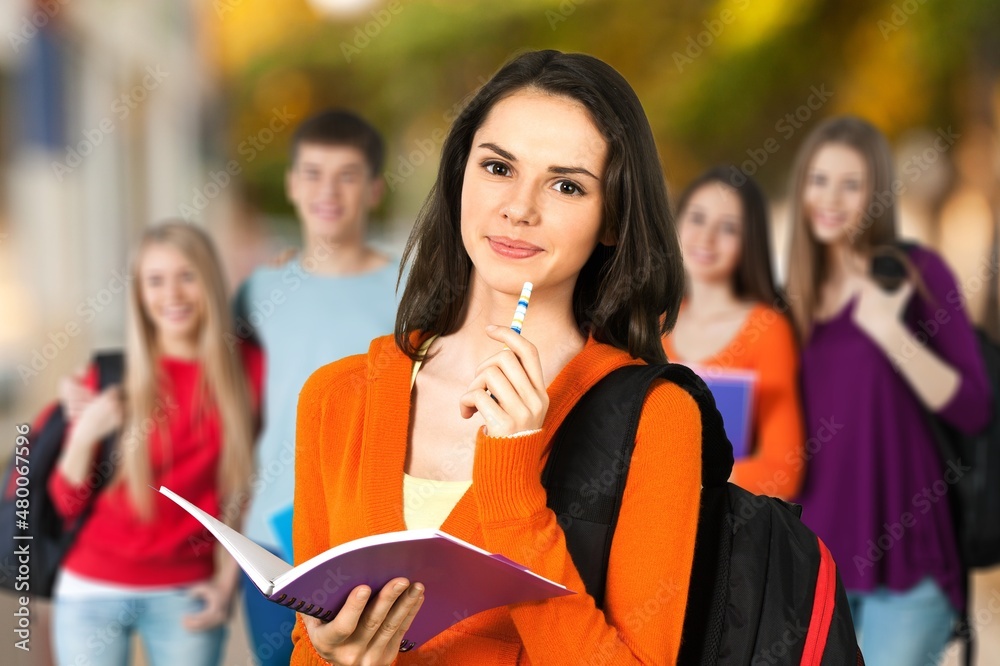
[(115, 545)]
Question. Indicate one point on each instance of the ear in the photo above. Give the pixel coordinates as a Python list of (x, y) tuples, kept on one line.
[(375, 192), (608, 237), (289, 183)]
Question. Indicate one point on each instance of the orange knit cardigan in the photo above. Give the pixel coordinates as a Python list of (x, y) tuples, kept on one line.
[(351, 441)]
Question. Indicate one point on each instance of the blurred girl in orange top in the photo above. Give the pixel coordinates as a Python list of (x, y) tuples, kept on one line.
[(731, 318)]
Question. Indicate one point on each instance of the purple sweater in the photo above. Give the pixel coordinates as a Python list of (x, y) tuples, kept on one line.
[(875, 485)]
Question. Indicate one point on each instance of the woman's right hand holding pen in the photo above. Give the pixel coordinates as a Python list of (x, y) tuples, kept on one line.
[(367, 633), (509, 387)]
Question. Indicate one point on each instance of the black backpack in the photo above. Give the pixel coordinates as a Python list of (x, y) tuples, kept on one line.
[(976, 493), (33, 536), (764, 588), (975, 498)]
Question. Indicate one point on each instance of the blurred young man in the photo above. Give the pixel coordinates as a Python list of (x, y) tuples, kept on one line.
[(327, 302)]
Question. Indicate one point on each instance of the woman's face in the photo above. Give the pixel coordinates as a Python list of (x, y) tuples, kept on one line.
[(836, 193), (171, 293), (532, 195), (711, 233)]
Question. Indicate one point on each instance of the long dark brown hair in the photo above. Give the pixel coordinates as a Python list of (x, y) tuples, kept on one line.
[(622, 291), (753, 278), (808, 268)]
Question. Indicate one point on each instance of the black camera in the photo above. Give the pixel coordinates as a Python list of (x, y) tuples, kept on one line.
[(888, 270)]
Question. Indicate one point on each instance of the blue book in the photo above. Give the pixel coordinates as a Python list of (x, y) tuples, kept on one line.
[(733, 392), (281, 526)]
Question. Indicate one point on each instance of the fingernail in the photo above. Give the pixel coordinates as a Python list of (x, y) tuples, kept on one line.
[(399, 587), (363, 594), (491, 327), (415, 591)]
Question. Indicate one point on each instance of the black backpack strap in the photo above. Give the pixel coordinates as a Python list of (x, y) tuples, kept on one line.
[(110, 371), (587, 468), (945, 439), (716, 450), (51, 537)]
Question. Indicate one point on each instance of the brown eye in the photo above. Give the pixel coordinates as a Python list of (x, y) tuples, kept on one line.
[(497, 168), (569, 187)]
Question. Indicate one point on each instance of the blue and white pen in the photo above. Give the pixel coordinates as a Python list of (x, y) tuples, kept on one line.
[(521, 309)]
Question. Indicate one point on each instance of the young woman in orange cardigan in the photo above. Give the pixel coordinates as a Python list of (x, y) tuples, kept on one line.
[(732, 319), (549, 175)]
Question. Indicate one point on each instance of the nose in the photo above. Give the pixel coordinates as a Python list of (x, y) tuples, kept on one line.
[(831, 195), (329, 189), (173, 290), (704, 235), (521, 206), (171, 293)]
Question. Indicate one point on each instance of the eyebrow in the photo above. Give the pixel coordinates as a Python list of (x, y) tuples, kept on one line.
[(553, 169), (854, 174), (701, 209), (352, 166)]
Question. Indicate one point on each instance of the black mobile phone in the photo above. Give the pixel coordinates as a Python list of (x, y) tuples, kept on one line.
[(888, 271)]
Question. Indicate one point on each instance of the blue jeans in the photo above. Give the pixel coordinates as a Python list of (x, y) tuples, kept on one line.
[(269, 625), (97, 632), (909, 628)]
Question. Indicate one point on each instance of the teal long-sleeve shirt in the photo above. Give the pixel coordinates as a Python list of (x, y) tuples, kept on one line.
[(302, 321)]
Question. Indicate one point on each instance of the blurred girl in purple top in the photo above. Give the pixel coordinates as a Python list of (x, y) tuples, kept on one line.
[(874, 361)]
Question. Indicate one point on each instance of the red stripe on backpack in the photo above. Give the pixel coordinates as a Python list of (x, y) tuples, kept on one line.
[(822, 613)]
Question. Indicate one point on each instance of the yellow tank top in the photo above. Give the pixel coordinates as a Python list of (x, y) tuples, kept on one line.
[(427, 502)]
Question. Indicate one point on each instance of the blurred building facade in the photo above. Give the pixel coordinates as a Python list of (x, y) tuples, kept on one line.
[(102, 112)]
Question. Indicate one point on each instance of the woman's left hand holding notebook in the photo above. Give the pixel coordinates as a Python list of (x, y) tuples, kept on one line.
[(368, 632)]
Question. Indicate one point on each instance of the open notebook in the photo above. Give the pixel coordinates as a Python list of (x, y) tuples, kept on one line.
[(460, 579)]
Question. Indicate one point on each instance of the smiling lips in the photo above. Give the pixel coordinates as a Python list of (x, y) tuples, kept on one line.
[(827, 219), (701, 256), (327, 212), (512, 249), (177, 313)]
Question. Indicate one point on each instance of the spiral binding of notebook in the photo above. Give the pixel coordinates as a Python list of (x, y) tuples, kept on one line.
[(324, 615)]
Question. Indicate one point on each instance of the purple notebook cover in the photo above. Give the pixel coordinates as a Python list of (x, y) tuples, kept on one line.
[(460, 581)]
